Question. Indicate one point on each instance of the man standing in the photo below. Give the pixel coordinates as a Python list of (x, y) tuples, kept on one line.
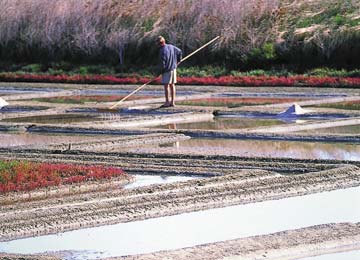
[(170, 56)]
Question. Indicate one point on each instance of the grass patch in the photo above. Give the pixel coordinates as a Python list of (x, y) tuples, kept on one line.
[(351, 105), (69, 69)]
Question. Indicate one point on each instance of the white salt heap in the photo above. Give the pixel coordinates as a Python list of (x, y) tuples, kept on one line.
[(3, 103), (293, 111)]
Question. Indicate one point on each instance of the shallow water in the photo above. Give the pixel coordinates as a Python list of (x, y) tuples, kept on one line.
[(26, 90), (197, 228), (260, 148), (235, 147), (283, 118), (223, 123), (57, 119), (249, 120), (17, 109), (286, 95), (350, 255), (145, 180), (145, 92), (11, 140)]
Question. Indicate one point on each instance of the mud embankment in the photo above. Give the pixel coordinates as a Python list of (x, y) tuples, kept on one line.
[(236, 181)]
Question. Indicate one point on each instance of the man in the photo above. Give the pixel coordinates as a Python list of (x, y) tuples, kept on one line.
[(170, 56)]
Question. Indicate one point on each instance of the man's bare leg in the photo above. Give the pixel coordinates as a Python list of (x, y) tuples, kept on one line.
[(173, 94), (166, 90)]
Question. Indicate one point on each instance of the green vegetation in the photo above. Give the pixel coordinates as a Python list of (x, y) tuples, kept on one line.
[(355, 105), (205, 71), (323, 72), (331, 13), (65, 68)]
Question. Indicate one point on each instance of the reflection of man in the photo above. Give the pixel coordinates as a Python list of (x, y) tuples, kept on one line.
[(172, 126), (170, 56)]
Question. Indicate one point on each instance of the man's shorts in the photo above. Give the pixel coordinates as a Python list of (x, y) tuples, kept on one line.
[(169, 77)]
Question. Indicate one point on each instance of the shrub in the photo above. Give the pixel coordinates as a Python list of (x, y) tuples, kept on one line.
[(204, 71), (26, 176), (32, 68)]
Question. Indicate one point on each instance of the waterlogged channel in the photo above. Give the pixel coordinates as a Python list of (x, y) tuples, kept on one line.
[(223, 123), (350, 255), (218, 146), (260, 148), (12, 140), (190, 229)]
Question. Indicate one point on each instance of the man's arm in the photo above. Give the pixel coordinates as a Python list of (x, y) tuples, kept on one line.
[(178, 54), (162, 65)]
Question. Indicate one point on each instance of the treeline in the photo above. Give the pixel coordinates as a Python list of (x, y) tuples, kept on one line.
[(254, 33)]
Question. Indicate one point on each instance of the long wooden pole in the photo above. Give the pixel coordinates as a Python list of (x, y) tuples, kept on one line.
[(142, 86), (202, 47), (132, 93)]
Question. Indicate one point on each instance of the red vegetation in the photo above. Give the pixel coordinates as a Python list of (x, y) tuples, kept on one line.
[(27, 176), (225, 80)]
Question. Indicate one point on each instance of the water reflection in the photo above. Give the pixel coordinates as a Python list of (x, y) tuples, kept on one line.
[(198, 228), (261, 148), (92, 92), (17, 109), (223, 123), (26, 90), (145, 180), (11, 140), (350, 255), (56, 119)]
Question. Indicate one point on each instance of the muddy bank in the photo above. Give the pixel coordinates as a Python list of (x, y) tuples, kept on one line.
[(254, 148), (28, 257), (230, 134), (235, 181), (119, 143)]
